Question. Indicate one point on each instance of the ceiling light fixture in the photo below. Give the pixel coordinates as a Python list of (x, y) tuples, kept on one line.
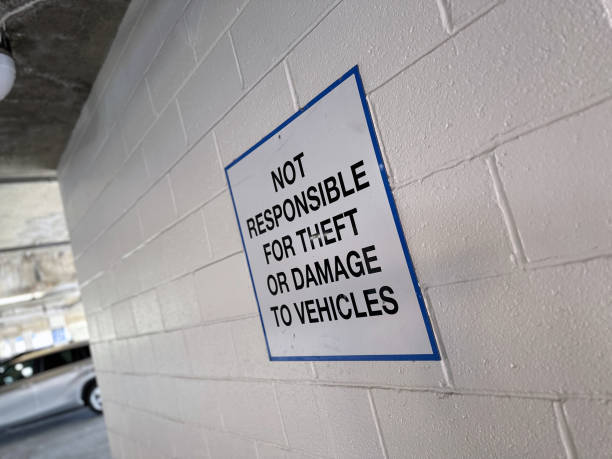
[(7, 65)]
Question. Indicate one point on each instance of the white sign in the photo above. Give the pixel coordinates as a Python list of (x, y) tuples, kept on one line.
[(328, 260)]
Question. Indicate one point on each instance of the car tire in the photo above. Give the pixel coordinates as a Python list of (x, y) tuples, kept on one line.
[(93, 397)]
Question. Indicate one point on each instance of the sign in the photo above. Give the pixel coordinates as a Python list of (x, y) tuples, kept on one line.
[(324, 245)]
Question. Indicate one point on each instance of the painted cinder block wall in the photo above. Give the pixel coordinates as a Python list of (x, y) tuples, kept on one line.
[(495, 120)]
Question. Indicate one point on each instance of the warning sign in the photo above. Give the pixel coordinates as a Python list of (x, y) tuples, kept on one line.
[(327, 256)]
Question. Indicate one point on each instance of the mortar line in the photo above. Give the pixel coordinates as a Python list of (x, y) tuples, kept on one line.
[(280, 414), (504, 206), (549, 397), (217, 148), (235, 53), (180, 115), (379, 434), (383, 149), (564, 430), (294, 96), (313, 370), (558, 262), (145, 80), (445, 11), (444, 361), (208, 243)]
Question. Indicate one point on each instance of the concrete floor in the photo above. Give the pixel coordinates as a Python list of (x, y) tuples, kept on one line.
[(77, 434)]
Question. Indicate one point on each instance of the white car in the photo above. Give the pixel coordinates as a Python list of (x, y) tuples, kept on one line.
[(40, 383)]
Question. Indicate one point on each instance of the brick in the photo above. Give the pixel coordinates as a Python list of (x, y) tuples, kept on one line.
[(535, 331), (211, 351), (105, 166), (198, 402), (225, 302), (126, 278), (164, 143), (351, 423), (171, 353), (106, 328), (304, 422), (454, 231), (206, 20), (474, 426), (407, 374), (101, 355), (251, 409), (253, 355), (211, 90), (129, 231), (138, 117), (222, 227), (143, 356), (114, 417), (130, 448), (171, 67), (189, 442), (156, 208), (197, 177), (160, 435), (185, 246), (261, 110), (221, 444), (90, 297), (108, 249), (123, 319), (590, 422), (137, 392), (166, 396), (152, 267), (93, 327), (120, 355), (147, 314), (360, 32), (178, 303), (129, 185), (561, 201), (266, 29), (494, 79), (115, 444)]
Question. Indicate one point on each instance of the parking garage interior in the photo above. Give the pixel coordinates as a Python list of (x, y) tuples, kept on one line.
[(138, 319)]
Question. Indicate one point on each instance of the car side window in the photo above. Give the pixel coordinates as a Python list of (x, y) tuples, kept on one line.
[(56, 360), (80, 353), (18, 371)]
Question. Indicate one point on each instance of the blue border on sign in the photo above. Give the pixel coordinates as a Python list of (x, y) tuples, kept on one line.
[(435, 355)]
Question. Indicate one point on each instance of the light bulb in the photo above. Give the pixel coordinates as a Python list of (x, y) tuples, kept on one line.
[(7, 67)]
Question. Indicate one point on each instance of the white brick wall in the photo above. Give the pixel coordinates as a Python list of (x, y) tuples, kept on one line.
[(495, 123)]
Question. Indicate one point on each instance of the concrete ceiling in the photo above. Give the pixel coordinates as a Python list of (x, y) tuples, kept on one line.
[(58, 47)]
